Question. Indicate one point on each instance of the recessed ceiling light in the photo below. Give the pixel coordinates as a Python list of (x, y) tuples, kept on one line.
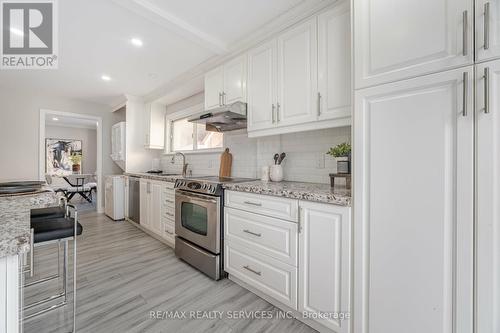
[(106, 78), (55, 119), (136, 42)]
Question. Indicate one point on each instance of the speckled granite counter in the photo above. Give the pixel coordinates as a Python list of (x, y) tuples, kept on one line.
[(15, 219), (296, 190), (152, 176)]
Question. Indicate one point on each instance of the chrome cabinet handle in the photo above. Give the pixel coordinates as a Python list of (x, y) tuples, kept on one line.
[(169, 214), (319, 104), (464, 97), (278, 112), (487, 90), (251, 270), (169, 232), (486, 25), (252, 233), (169, 201), (464, 32), (252, 203), (272, 113)]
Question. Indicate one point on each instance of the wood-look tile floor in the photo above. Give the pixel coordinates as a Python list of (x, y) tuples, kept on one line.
[(124, 274)]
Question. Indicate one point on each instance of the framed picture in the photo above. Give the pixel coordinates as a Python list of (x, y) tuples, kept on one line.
[(63, 156)]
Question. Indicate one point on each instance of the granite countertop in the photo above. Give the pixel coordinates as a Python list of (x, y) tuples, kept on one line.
[(15, 219), (296, 190), (152, 176)]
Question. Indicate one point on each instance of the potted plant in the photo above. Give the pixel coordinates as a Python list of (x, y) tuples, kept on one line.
[(342, 153), (76, 160)]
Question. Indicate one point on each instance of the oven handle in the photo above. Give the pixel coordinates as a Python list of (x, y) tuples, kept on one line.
[(200, 197)]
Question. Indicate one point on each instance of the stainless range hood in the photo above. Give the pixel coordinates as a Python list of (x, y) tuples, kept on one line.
[(223, 119)]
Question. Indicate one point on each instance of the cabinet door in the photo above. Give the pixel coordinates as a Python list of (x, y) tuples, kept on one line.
[(396, 40), (297, 74), (214, 85), (324, 262), (488, 198), (126, 186), (144, 188), (487, 29), (334, 65), (262, 87), (156, 208), (413, 219), (235, 80)]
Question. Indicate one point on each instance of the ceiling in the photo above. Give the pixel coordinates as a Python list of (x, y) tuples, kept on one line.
[(58, 120), (94, 40)]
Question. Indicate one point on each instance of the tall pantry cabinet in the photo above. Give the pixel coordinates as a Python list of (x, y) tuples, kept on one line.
[(427, 166)]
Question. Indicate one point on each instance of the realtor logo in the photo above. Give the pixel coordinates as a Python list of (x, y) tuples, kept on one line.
[(29, 34)]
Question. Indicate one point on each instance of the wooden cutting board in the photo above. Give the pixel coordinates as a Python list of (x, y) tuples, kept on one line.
[(226, 161)]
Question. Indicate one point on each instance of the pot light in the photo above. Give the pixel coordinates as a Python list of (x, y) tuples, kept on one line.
[(136, 42), (55, 119), (105, 78)]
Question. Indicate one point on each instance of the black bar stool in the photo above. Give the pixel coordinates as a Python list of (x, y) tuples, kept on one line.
[(48, 227)]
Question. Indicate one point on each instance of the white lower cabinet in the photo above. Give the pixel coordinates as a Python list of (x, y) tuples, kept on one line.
[(157, 208), (325, 263), (303, 264), (488, 198)]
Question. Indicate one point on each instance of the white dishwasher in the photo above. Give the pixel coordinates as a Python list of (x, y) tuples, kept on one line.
[(114, 197)]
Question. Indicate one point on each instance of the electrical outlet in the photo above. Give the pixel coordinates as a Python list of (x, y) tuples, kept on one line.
[(320, 161)]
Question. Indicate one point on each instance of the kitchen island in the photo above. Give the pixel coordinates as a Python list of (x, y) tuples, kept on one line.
[(14, 243)]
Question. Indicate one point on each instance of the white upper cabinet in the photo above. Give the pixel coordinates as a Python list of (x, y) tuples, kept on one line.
[(214, 86), (235, 81), (226, 84), (118, 141), (488, 197), (155, 126), (487, 29), (301, 80), (334, 63), (262, 86), (324, 262), (414, 204), (400, 39), (297, 74)]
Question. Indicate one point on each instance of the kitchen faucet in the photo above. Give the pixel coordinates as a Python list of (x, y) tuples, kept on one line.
[(184, 164)]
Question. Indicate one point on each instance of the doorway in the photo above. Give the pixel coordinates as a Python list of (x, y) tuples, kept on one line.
[(70, 157)]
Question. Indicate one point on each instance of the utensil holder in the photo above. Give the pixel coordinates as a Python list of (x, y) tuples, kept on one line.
[(276, 173)]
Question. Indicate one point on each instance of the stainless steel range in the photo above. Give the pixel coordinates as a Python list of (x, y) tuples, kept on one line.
[(199, 222)]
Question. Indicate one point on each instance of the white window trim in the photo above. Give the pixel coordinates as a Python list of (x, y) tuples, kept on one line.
[(170, 118)]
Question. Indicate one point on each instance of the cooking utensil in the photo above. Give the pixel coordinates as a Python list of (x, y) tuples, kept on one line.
[(281, 158), (226, 162), (276, 156)]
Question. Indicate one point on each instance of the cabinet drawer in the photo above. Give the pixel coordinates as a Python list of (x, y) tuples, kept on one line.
[(267, 235), (282, 208), (270, 276)]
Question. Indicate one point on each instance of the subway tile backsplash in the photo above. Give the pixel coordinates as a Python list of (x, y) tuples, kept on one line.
[(306, 158)]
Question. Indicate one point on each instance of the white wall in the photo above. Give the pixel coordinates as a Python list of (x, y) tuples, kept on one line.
[(19, 130), (138, 158), (89, 143)]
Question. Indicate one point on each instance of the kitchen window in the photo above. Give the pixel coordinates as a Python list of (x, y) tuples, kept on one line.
[(187, 136)]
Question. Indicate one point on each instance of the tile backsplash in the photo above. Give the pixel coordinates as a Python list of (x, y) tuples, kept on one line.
[(306, 158)]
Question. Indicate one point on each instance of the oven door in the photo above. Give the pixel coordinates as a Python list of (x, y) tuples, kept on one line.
[(197, 219)]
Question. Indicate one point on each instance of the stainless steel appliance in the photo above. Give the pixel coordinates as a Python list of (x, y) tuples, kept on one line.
[(199, 222), (225, 118), (134, 199)]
